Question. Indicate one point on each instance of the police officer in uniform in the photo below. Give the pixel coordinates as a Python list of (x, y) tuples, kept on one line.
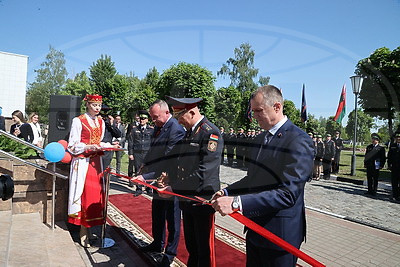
[(394, 166), (240, 147), (338, 148), (139, 141), (329, 155), (222, 131), (374, 161), (197, 175), (230, 142)]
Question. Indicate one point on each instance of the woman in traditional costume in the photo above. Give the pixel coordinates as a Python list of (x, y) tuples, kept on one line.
[(87, 187)]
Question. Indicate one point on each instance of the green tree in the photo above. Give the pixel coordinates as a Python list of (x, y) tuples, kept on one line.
[(189, 80), (50, 79), (102, 73), (241, 70), (332, 126), (139, 97), (293, 114), (364, 124), (380, 94), (313, 125), (228, 108), (152, 77), (79, 86)]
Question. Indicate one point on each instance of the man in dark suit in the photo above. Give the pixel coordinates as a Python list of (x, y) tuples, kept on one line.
[(197, 175), (394, 166), (167, 133), (272, 193), (374, 160), (121, 140), (110, 134)]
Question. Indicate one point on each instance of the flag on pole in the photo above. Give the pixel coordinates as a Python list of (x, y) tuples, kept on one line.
[(341, 110), (303, 106)]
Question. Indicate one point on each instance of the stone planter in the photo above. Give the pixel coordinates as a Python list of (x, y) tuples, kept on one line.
[(33, 190)]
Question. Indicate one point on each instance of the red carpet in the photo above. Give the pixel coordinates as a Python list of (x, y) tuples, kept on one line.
[(138, 209)]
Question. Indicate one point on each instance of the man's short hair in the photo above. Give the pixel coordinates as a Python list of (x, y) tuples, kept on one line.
[(271, 94), (161, 103)]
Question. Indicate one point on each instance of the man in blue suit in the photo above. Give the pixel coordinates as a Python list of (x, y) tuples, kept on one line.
[(272, 193), (167, 133)]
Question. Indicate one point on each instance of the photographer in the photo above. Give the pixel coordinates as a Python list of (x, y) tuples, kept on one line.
[(111, 132)]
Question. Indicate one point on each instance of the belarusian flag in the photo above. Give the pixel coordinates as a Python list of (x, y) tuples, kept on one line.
[(341, 109)]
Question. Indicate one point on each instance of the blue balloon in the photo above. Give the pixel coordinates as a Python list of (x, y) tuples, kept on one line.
[(54, 152)]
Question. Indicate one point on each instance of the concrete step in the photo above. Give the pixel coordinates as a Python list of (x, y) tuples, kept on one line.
[(32, 243)]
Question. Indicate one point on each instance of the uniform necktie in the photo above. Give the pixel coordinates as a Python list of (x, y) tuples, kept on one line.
[(188, 133)]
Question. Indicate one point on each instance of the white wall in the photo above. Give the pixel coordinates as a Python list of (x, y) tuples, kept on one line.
[(13, 75)]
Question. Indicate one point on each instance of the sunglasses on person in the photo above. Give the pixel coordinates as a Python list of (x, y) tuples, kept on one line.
[(143, 118)]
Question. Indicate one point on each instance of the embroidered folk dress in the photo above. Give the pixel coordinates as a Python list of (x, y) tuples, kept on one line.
[(86, 185)]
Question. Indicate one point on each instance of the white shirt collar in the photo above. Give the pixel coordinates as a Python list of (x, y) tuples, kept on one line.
[(194, 126), (278, 125)]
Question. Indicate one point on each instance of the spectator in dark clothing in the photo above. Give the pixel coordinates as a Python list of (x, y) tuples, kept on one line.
[(230, 143), (374, 161), (394, 166), (338, 148), (20, 128), (329, 156), (111, 132), (139, 140)]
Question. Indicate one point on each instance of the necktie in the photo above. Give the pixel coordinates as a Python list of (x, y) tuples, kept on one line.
[(268, 137), (188, 133), (157, 132), (266, 140)]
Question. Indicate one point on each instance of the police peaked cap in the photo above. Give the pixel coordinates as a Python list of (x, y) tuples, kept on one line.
[(183, 103), (375, 136)]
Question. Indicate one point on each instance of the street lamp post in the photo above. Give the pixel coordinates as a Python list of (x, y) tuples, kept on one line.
[(356, 83)]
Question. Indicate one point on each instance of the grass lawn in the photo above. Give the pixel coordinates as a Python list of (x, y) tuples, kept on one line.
[(361, 173), (344, 169)]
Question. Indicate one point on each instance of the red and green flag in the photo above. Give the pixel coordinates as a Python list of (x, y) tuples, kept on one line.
[(341, 110)]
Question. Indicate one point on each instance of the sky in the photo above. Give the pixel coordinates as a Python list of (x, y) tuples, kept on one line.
[(316, 43)]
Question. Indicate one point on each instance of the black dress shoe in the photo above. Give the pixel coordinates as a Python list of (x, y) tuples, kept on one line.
[(165, 261), (138, 192), (151, 248)]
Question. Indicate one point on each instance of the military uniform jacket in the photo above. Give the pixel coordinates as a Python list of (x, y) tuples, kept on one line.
[(329, 150), (320, 150), (241, 141), (198, 162), (338, 144), (373, 154), (230, 140), (139, 140), (394, 156)]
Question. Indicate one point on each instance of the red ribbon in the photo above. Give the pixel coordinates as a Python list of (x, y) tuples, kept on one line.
[(243, 220)]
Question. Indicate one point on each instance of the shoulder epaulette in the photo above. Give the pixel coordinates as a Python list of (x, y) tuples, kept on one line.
[(206, 127)]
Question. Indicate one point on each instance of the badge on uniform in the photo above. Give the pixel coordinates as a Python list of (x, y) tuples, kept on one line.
[(213, 144)]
